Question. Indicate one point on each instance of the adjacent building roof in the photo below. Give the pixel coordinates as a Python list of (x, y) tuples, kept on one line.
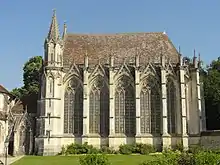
[(3, 90)]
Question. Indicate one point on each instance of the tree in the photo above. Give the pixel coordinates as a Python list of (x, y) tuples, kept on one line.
[(211, 80), (31, 78)]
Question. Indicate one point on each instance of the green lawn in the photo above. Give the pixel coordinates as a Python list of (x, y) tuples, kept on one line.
[(74, 160)]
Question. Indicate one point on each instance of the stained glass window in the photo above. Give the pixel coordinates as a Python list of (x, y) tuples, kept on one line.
[(171, 106), (104, 127), (73, 108), (125, 107), (145, 109), (94, 112), (155, 111), (150, 106), (99, 107)]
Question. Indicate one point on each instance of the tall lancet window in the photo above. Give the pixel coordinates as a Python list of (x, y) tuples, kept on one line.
[(42, 88), (51, 86), (125, 122), (73, 108), (99, 107), (150, 106), (171, 106), (187, 103)]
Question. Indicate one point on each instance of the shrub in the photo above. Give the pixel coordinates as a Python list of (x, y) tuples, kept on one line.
[(107, 150), (207, 158), (138, 148), (123, 149), (186, 159), (195, 149), (94, 160), (143, 148), (179, 147), (126, 149), (80, 149), (177, 158)]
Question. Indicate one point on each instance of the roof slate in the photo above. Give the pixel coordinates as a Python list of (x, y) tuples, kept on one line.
[(122, 46)]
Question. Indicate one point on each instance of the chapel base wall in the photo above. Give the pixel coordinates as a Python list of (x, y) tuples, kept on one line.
[(48, 147), (53, 146)]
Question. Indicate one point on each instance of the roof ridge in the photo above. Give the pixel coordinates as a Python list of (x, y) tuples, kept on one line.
[(114, 34)]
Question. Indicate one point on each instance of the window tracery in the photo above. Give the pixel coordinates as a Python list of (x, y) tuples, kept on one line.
[(73, 108), (99, 107), (171, 105), (125, 107), (150, 106)]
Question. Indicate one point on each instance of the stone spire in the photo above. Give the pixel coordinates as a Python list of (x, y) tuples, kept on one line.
[(54, 33)]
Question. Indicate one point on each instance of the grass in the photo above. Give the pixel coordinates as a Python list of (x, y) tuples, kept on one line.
[(74, 160)]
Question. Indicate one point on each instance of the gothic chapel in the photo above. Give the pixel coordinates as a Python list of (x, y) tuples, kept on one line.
[(113, 89)]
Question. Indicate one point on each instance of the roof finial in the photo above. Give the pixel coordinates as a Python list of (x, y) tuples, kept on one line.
[(54, 12), (164, 32), (64, 29), (194, 59), (199, 61), (199, 58), (194, 54), (179, 50)]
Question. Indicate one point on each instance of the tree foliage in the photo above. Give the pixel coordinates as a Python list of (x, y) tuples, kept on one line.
[(211, 81), (31, 78)]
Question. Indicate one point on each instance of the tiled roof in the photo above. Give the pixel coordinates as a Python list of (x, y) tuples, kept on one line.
[(122, 46)]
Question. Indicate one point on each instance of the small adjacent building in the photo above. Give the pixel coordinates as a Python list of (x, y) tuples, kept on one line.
[(4, 110), (15, 125)]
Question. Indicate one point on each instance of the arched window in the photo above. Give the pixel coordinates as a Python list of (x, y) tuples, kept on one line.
[(125, 107), (73, 108), (145, 108), (99, 107), (150, 106), (171, 106)]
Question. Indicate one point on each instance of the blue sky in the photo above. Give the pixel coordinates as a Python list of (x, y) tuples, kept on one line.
[(24, 25)]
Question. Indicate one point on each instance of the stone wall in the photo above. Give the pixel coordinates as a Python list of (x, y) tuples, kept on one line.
[(211, 139)]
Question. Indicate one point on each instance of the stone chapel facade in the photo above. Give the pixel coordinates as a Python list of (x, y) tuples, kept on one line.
[(112, 89)]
